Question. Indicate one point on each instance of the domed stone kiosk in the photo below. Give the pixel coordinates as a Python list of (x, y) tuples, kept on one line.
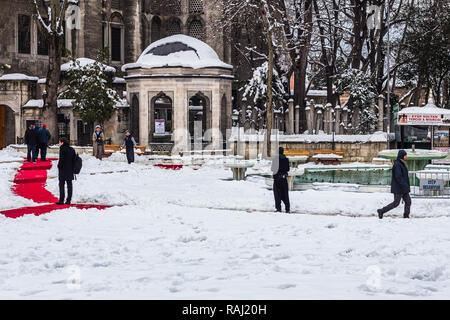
[(179, 85)]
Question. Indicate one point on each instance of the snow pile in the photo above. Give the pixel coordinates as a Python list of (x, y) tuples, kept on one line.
[(195, 234), (178, 51)]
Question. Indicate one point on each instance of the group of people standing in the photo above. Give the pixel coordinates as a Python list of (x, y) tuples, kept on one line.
[(37, 139), (98, 144)]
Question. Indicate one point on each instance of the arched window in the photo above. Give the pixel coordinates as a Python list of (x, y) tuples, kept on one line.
[(196, 30), (195, 6), (156, 29), (174, 27), (134, 125), (117, 37)]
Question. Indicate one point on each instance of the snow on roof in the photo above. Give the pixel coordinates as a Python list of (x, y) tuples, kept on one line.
[(316, 93), (378, 136), (17, 77), (39, 103), (427, 109), (65, 103), (42, 81), (117, 80), (83, 62), (178, 51)]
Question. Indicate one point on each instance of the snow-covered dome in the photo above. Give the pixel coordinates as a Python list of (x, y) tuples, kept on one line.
[(178, 51)]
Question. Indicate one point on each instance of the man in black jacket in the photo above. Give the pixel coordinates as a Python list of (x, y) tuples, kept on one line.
[(65, 170), (30, 139), (399, 186), (280, 169)]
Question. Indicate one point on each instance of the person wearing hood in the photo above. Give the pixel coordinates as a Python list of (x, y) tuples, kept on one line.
[(44, 137), (399, 186), (129, 143), (65, 170), (31, 142), (280, 169), (98, 142)]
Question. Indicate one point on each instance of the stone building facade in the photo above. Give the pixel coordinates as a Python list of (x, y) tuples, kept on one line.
[(127, 27)]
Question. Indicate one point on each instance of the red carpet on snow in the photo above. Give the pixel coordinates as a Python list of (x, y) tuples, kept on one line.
[(30, 182), (16, 213), (169, 166)]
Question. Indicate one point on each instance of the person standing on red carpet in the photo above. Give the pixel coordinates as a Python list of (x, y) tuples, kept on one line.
[(31, 142), (44, 137), (65, 170)]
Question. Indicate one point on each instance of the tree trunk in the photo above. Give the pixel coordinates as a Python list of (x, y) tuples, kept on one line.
[(269, 107), (53, 75)]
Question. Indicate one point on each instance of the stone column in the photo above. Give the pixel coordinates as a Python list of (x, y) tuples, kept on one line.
[(73, 128), (215, 123), (144, 109), (290, 121), (297, 119), (180, 116), (337, 123), (319, 118), (328, 118), (380, 112), (310, 117), (18, 127), (345, 120)]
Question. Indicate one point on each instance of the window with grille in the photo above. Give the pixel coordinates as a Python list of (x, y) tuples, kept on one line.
[(115, 4), (174, 28), (156, 29), (24, 33), (42, 44), (116, 44), (196, 30), (174, 7), (195, 6)]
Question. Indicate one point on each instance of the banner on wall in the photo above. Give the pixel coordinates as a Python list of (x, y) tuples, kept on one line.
[(160, 126)]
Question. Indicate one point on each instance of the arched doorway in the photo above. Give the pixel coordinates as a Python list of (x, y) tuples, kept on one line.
[(7, 126), (199, 111), (134, 125), (162, 122)]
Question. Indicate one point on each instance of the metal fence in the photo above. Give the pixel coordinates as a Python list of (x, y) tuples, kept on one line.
[(430, 184)]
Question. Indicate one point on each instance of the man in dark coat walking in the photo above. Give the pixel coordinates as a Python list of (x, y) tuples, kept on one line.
[(280, 169), (129, 143), (44, 137), (31, 142), (399, 186), (65, 170)]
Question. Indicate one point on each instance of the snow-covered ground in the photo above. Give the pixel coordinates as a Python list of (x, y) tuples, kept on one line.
[(194, 234)]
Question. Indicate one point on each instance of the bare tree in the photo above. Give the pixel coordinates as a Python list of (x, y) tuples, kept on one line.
[(50, 15)]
